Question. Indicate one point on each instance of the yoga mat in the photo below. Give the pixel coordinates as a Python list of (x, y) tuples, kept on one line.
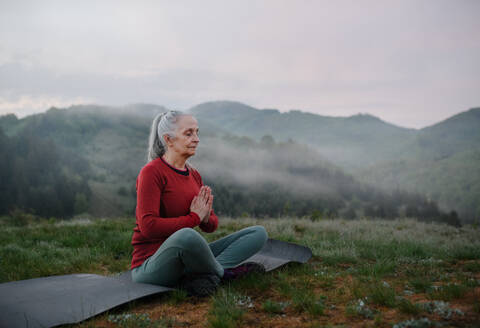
[(67, 299)]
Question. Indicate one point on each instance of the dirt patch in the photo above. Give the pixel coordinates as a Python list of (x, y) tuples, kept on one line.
[(187, 314), (339, 294)]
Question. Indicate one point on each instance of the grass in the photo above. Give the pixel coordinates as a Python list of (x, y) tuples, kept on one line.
[(273, 307), (142, 320), (421, 284), (472, 267), (254, 282), (62, 247), (362, 272), (448, 292), (178, 296), (406, 306), (378, 269), (360, 309), (305, 300), (382, 294), (476, 306), (225, 311)]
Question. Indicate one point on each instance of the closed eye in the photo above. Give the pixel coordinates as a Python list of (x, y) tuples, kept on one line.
[(190, 132)]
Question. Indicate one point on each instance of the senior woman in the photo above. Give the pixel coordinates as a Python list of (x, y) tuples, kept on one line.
[(171, 201)]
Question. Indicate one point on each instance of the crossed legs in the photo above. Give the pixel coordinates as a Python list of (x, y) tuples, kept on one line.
[(186, 251)]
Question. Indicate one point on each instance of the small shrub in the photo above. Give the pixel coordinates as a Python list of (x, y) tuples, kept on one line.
[(254, 281), (382, 294), (274, 307), (420, 284), (405, 306), (20, 218), (358, 289), (299, 228), (379, 269), (467, 252), (448, 292), (225, 313), (306, 301), (472, 267), (316, 216), (283, 285), (177, 296)]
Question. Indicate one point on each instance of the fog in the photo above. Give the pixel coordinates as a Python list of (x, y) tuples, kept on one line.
[(295, 167)]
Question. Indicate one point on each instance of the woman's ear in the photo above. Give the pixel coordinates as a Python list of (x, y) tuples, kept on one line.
[(168, 140)]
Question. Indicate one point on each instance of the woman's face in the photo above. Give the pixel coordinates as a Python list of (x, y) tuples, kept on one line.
[(186, 137)]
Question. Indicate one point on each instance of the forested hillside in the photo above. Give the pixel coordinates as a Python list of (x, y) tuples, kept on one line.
[(37, 175), (98, 152), (285, 178), (443, 163), (440, 161)]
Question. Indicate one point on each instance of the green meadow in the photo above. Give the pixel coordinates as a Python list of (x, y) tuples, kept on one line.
[(363, 273)]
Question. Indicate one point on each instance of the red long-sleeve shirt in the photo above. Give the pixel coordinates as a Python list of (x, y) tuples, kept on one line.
[(164, 196)]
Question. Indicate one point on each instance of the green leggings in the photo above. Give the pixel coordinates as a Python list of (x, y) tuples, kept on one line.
[(186, 251)]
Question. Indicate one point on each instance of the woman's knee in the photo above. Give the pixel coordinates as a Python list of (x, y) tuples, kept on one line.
[(260, 233), (189, 237)]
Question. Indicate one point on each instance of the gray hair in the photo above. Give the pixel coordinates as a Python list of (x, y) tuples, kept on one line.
[(163, 123)]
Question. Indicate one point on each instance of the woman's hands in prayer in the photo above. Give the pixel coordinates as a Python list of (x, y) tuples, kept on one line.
[(202, 203)]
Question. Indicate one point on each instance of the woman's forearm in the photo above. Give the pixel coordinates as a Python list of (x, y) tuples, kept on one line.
[(154, 227)]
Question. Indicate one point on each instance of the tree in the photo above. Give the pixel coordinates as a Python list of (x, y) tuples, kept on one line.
[(267, 141), (81, 203)]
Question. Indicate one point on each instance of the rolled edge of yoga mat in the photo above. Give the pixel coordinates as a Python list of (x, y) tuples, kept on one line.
[(55, 300)]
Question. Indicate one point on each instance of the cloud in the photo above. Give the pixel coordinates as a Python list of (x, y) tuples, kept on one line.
[(26, 104), (407, 62)]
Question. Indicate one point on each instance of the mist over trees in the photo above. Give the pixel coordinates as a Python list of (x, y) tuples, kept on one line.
[(441, 161), (37, 178), (269, 179), (86, 159)]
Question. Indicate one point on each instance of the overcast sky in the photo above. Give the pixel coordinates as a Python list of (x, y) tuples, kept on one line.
[(411, 63)]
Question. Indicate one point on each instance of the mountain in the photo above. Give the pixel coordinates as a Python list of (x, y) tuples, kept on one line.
[(443, 162), (259, 178), (456, 134), (440, 161), (346, 141)]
